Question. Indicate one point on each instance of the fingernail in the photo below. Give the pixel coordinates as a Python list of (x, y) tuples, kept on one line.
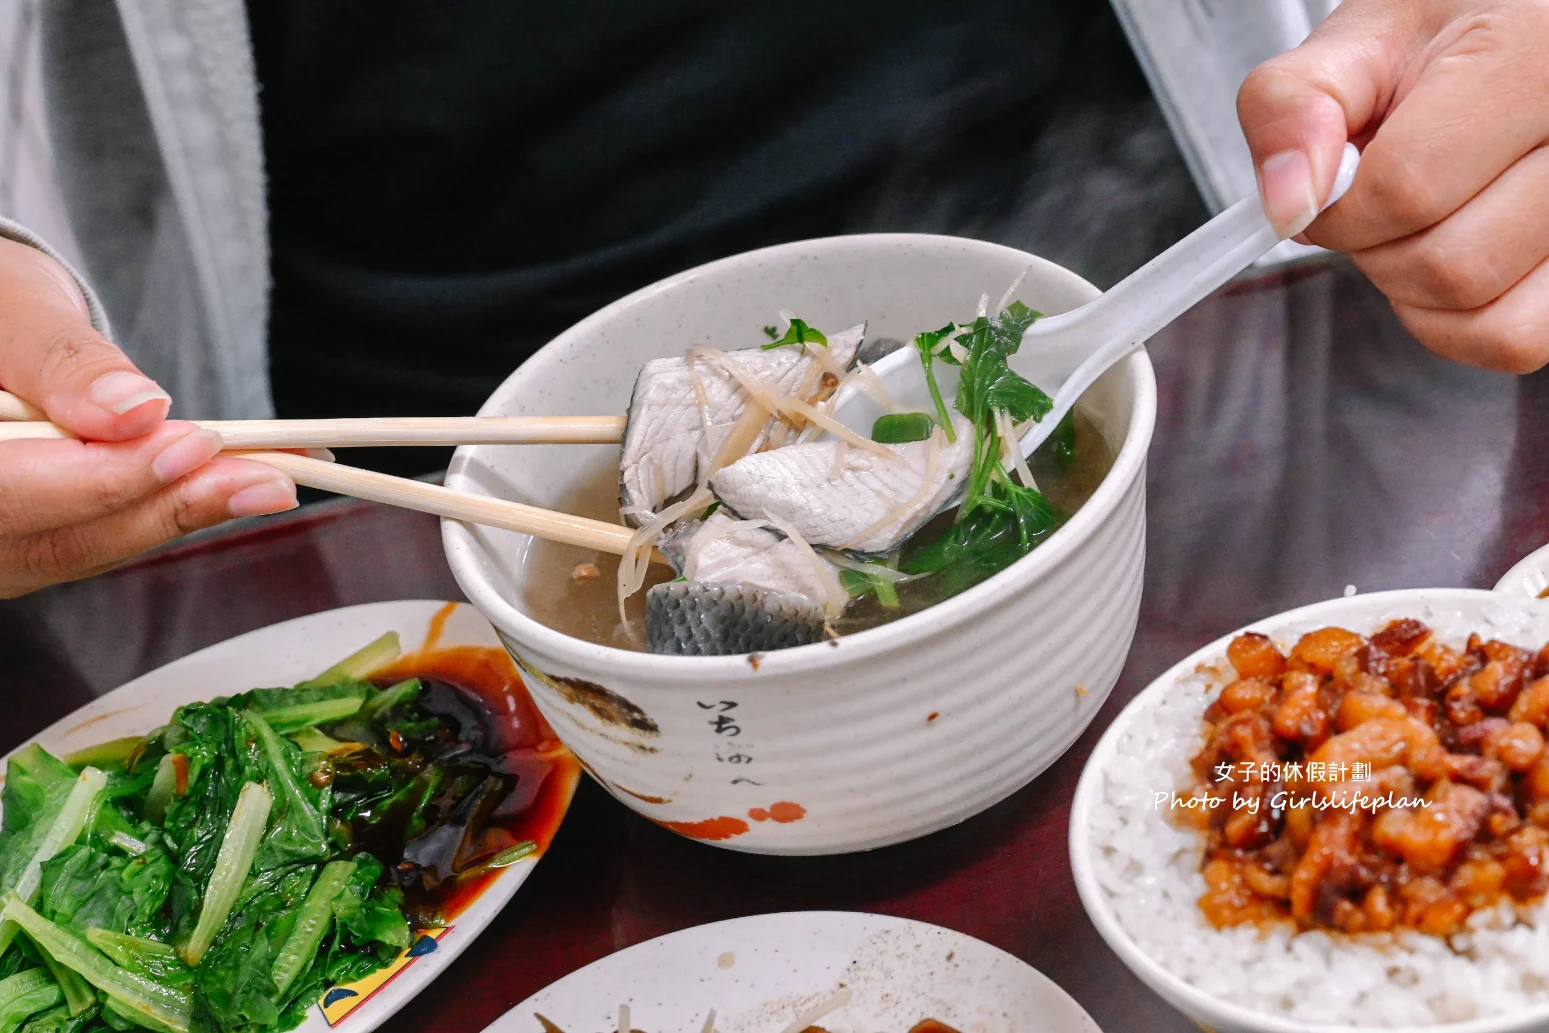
[(119, 392), (325, 454), (185, 455), (1290, 200), (263, 498)]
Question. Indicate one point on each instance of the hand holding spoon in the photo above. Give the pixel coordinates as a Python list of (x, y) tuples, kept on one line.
[(1065, 354)]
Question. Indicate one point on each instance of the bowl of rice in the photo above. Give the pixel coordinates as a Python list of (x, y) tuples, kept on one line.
[(1139, 868)]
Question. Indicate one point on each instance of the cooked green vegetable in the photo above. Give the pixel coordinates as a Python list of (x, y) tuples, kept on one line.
[(238, 849), (859, 582), (139, 994), (311, 924), (999, 520), (220, 873), (25, 993)]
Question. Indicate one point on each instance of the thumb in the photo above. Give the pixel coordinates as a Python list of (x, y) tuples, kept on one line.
[(1298, 109)]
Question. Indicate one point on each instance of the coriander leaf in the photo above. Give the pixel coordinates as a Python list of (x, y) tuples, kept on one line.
[(1006, 389), (1015, 320), (772, 333), (798, 333)]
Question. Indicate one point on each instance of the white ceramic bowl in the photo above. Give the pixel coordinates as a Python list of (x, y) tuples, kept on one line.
[(1529, 579), (1123, 764), (885, 735), (283, 654), (759, 973)]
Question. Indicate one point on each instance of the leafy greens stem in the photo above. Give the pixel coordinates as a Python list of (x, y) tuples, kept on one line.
[(142, 996), (238, 848), (25, 993), (79, 997), (360, 663), (311, 924), (66, 826), (388, 698), (63, 832)]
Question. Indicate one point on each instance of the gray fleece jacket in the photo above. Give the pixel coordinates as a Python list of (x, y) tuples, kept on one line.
[(154, 118), (153, 110)]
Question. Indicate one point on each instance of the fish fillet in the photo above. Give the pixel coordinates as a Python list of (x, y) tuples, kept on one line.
[(666, 439), (847, 498), (698, 618), (721, 549)]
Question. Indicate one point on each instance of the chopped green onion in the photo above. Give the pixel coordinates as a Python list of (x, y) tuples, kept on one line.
[(359, 663), (238, 848), (311, 924), (899, 427), (146, 998)]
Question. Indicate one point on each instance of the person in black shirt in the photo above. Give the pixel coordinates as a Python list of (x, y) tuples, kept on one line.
[(450, 191)]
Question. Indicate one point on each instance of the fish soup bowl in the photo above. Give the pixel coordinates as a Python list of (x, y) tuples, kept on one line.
[(840, 745)]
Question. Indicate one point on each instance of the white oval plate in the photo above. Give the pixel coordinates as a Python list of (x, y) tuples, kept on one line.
[(759, 973), (283, 654), (1529, 578)]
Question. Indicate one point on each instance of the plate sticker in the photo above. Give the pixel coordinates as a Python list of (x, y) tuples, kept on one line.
[(340, 1001)]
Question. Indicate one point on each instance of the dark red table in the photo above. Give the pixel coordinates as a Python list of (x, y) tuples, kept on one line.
[(1305, 443)]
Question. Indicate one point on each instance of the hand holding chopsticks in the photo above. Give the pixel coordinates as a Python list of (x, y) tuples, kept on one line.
[(358, 433), (241, 436)]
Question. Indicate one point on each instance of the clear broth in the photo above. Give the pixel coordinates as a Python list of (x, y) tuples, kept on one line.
[(587, 607)]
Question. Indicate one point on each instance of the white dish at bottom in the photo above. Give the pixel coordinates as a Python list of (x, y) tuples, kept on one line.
[(762, 972)]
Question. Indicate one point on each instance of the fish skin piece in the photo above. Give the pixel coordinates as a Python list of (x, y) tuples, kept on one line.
[(723, 549), (702, 618), (664, 438), (797, 484)]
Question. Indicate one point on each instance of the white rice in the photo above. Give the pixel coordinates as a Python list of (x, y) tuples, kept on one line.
[(1149, 869)]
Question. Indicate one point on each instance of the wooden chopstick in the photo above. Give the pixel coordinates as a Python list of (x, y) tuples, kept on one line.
[(395, 491), (13, 408), (444, 502), (357, 433)]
